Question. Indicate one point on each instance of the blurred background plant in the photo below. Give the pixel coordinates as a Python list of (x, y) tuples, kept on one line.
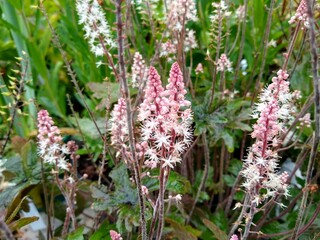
[(240, 45)]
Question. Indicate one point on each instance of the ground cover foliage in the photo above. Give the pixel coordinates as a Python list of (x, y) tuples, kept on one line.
[(160, 119)]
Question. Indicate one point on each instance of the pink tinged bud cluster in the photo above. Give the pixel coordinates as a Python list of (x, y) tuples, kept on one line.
[(220, 11), (301, 15), (96, 28), (273, 112), (119, 127), (199, 69), (305, 121), (180, 12), (234, 237), (224, 64), (139, 70), (167, 49), (165, 127), (49, 142), (115, 236), (190, 40)]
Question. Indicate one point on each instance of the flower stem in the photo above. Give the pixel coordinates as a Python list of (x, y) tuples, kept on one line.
[(125, 92)]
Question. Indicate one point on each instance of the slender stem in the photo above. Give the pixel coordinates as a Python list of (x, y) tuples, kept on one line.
[(249, 220), (316, 136), (244, 25), (265, 42), (219, 40), (44, 189), (163, 173), (204, 176), (125, 92), (243, 211), (294, 37)]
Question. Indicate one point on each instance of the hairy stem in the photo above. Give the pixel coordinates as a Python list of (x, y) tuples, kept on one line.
[(126, 94)]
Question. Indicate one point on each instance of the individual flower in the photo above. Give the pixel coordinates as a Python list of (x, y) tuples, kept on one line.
[(180, 12), (175, 199), (224, 64), (199, 69), (96, 28), (301, 15), (50, 147), (139, 70)]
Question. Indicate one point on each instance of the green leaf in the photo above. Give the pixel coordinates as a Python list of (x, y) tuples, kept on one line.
[(77, 234), (178, 183), (89, 128), (229, 180), (29, 157), (102, 232), (16, 225), (13, 212), (124, 193), (217, 232), (228, 140), (235, 166)]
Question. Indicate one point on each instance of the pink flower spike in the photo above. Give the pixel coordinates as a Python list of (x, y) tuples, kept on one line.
[(115, 236), (50, 147), (175, 89), (234, 237), (139, 70), (301, 15)]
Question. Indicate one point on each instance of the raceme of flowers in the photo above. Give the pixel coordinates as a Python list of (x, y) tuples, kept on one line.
[(273, 111), (165, 126), (224, 64), (180, 12), (301, 15), (190, 40), (96, 28), (50, 147), (199, 69), (220, 11), (139, 70)]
